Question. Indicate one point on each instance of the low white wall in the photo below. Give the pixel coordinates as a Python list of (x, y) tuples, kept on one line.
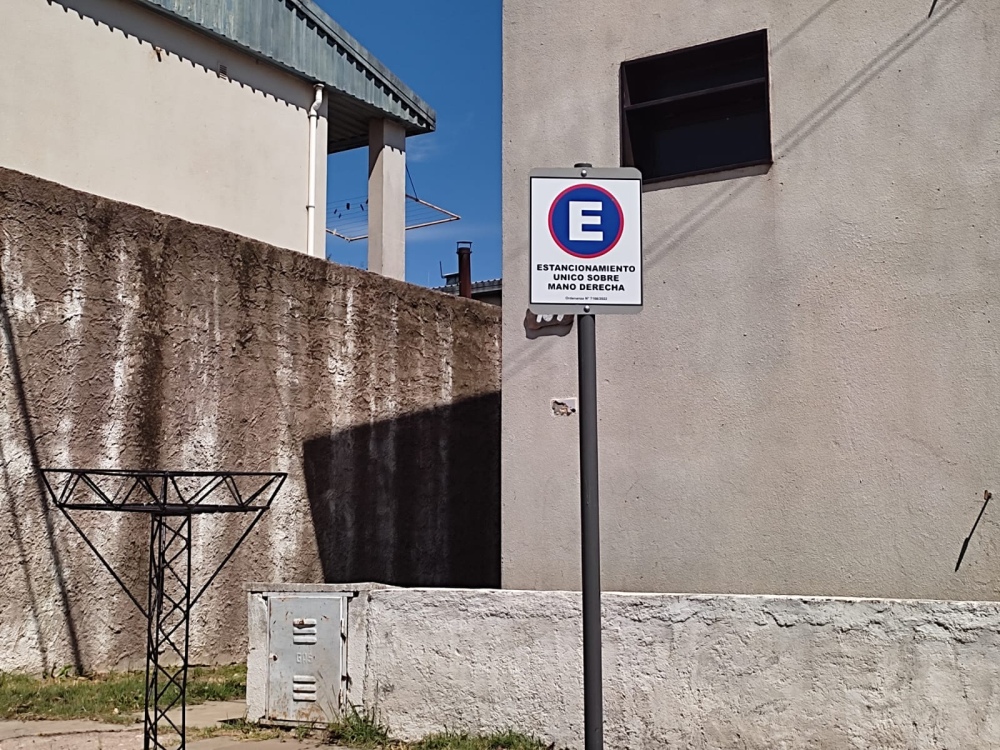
[(680, 671)]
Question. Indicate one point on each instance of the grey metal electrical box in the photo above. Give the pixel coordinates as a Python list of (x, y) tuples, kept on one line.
[(307, 657)]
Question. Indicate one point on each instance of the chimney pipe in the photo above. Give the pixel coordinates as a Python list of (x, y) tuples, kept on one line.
[(465, 270)]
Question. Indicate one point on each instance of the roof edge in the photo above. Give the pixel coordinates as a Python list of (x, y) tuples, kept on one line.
[(337, 37), (322, 19)]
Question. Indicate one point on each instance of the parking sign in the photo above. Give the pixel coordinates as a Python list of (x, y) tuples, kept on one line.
[(586, 240)]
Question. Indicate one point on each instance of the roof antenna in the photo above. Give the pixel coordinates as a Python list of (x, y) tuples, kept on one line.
[(933, 6)]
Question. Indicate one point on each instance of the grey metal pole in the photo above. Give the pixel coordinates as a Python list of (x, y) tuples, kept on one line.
[(593, 704)]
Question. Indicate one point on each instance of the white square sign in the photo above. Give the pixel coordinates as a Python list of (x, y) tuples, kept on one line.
[(586, 240)]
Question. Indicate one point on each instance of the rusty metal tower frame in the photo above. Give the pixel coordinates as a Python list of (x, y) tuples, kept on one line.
[(170, 499)]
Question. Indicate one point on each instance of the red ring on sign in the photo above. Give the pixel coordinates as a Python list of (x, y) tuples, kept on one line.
[(614, 201)]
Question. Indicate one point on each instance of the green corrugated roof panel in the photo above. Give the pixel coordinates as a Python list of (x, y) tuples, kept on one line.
[(298, 36)]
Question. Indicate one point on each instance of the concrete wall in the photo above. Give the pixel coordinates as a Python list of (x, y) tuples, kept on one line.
[(806, 404), (134, 340), (109, 97), (680, 671)]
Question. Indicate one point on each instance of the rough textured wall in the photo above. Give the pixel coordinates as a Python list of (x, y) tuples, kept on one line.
[(807, 404), (134, 340), (698, 672)]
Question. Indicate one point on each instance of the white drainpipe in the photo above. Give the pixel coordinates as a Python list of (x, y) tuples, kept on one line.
[(311, 205)]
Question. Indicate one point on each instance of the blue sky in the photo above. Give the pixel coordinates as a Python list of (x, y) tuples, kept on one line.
[(448, 52)]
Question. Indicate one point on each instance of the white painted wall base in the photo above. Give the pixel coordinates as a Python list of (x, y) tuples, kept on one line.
[(680, 671)]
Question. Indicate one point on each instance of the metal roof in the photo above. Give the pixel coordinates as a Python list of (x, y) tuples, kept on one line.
[(298, 36)]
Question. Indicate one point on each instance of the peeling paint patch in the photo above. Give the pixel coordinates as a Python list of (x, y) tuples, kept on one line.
[(563, 407)]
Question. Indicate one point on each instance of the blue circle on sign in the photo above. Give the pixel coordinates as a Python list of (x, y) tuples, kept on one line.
[(586, 221)]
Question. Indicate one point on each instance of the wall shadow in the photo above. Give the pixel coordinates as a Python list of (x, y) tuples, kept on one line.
[(412, 501), (44, 509), (729, 191)]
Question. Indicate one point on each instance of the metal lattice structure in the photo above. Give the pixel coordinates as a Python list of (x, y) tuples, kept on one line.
[(171, 499), (347, 218)]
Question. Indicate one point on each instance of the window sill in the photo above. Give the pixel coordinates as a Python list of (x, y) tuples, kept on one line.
[(708, 176)]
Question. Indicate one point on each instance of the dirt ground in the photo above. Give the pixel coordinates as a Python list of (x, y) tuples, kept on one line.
[(90, 735)]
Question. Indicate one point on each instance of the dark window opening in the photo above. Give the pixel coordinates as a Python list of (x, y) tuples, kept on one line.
[(698, 110)]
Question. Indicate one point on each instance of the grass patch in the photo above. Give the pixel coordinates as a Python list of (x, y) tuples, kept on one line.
[(240, 728), (217, 684), (113, 697), (359, 729), (462, 741), (364, 730), (118, 697)]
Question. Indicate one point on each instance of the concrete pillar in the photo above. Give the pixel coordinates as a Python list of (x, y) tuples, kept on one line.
[(387, 199)]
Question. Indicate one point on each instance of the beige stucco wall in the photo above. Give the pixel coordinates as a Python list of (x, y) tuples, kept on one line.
[(108, 97), (808, 403)]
